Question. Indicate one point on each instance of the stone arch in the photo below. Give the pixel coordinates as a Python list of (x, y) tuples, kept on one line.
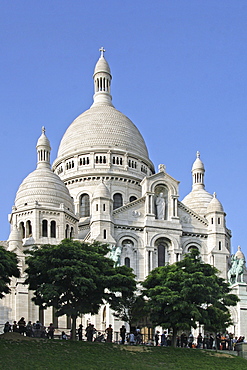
[(129, 244), (189, 243), (162, 245)]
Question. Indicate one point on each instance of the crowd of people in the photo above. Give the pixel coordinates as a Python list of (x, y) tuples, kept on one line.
[(34, 330), (225, 341)]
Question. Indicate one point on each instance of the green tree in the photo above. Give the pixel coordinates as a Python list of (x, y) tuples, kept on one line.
[(8, 268), (75, 278), (131, 308), (186, 293)]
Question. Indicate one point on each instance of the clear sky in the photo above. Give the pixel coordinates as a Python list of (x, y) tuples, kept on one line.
[(179, 73)]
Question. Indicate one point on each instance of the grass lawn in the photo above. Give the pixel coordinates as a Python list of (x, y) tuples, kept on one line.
[(57, 354)]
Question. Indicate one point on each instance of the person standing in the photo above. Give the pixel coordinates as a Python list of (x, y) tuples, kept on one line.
[(22, 326), (163, 339), (29, 329), (122, 334), (109, 332), (50, 332), (80, 332), (156, 338), (190, 340), (15, 327)]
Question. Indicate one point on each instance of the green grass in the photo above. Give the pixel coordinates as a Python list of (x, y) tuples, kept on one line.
[(58, 354)]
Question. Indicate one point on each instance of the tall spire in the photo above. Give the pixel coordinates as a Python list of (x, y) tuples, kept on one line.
[(102, 81), (198, 173), (43, 150)]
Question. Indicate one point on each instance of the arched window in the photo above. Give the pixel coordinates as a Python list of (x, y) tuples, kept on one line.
[(22, 230), (85, 205), (71, 233), (127, 262), (28, 229), (67, 232), (44, 228), (53, 229), (132, 198), (192, 247), (162, 248), (117, 200)]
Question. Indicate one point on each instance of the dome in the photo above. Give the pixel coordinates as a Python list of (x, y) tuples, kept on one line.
[(14, 234), (215, 205), (198, 164), (102, 66), (239, 254), (198, 201), (44, 187), (102, 127), (101, 191), (43, 140)]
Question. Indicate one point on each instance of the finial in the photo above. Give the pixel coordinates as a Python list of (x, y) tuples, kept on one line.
[(198, 154), (239, 248), (214, 194), (43, 129), (102, 50)]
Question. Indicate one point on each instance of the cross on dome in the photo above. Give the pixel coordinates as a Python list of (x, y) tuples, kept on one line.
[(198, 154), (43, 129), (102, 50)]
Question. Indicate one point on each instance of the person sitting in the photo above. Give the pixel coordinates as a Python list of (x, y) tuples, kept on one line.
[(7, 327)]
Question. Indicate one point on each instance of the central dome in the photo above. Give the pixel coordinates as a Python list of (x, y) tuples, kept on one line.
[(102, 126)]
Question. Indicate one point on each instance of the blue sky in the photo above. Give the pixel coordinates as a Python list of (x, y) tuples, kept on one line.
[(179, 73)]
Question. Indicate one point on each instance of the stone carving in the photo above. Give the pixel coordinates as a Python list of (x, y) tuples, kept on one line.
[(136, 213), (160, 206), (115, 254), (162, 168), (236, 270)]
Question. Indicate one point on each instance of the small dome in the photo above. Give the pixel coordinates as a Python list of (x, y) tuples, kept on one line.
[(44, 187), (239, 254), (102, 66), (14, 234), (43, 140), (198, 165), (198, 201), (215, 205), (101, 191)]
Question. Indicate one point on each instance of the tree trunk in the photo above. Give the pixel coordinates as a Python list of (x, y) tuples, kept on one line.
[(174, 337), (73, 329)]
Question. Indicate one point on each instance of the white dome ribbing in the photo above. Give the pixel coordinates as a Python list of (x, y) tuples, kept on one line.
[(102, 126)]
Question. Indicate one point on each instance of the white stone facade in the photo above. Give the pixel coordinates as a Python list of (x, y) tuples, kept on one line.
[(103, 186)]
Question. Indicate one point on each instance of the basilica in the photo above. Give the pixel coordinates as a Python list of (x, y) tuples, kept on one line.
[(103, 186)]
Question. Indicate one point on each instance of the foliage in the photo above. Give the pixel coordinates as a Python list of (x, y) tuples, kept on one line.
[(131, 308), (74, 277), (187, 292), (8, 268)]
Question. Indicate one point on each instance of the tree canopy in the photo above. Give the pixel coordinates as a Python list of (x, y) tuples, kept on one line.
[(131, 308), (186, 293), (8, 268), (75, 278)]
